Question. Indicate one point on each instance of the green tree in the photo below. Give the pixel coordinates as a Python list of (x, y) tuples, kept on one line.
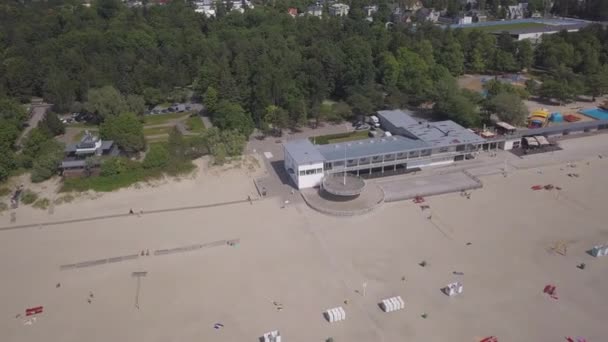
[(52, 124), (276, 118), (452, 57), (135, 104), (597, 83), (34, 143), (389, 69), (210, 99), (153, 96), (509, 107), (113, 166), (233, 142), (46, 164), (459, 108), (126, 130), (360, 104), (60, 90), (525, 54), (554, 89), (233, 116), (157, 157), (105, 102)]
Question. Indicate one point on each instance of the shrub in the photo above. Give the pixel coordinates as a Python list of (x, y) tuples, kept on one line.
[(64, 199), (28, 197), (4, 191), (113, 166), (157, 157), (42, 203)]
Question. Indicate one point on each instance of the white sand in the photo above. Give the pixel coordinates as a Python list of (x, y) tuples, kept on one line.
[(310, 262)]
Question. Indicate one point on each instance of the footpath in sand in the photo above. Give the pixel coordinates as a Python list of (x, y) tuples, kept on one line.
[(308, 262)]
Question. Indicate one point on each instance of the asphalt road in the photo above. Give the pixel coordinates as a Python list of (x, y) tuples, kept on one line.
[(38, 113)]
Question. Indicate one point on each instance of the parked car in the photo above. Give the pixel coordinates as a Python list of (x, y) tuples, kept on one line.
[(362, 127), (374, 121)]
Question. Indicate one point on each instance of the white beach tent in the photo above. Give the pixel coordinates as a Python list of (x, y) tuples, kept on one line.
[(453, 289), (392, 304), (272, 336), (600, 250), (335, 314)]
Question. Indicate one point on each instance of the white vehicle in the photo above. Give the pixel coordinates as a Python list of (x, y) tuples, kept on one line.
[(387, 134), (374, 120)]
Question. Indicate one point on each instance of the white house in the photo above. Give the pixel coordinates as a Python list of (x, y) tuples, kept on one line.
[(517, 12), (209, 7), (315, 10), (339, 10), (464, 20), (370, 10)]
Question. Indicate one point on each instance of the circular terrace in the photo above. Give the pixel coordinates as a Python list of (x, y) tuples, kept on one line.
[(343, 185)]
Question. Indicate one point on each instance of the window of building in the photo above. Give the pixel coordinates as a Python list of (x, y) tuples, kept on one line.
[(414, 154), (319, 170), (327, 166), (310, 172), (425, 153), (302, 173)]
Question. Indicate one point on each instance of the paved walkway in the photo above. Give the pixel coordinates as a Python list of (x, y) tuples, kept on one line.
[(105, 217), (37, 114)]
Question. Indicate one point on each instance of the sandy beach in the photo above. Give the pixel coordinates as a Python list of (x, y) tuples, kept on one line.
[(307, 262)]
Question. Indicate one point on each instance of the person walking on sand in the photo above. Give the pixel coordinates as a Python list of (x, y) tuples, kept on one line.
[(131, 211)]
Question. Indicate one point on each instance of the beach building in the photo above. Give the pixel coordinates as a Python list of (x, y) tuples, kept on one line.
[(76, 155), (414, 144), (534, 34)]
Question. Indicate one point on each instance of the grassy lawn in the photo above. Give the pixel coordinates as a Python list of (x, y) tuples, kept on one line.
[(157, 130), (506, 27), (195, 124), (158, 119), (155, 140), (79, 136), (341, 137)]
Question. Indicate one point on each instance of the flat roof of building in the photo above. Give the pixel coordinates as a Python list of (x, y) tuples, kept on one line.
[(444, 133), (369, 147), (303, 151), (440, 133), (543, 29), (399, 117)]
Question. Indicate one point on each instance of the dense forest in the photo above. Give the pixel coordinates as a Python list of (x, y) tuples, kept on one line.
[(266, 69)]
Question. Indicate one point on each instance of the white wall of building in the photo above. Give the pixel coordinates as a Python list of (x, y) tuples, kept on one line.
[(310, 176), (290, 167), (508, 145)]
